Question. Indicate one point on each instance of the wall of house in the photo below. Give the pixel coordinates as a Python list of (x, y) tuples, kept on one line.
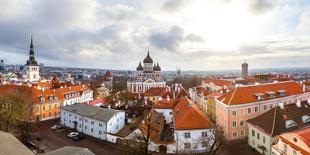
[(46, 111), (195, 140), (263, 140), (168, 114), (116, 123)]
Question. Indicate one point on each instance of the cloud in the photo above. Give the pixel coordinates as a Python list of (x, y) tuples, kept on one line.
[(261, 6), (194, 38), (169, 40), (172, 5)]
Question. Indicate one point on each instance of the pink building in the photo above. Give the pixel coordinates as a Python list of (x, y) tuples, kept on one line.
[(242, 103)]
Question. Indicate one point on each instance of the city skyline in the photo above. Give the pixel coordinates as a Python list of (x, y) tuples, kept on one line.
[(194, 35)]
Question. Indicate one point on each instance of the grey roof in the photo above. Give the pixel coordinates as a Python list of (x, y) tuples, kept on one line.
[(70, 150), (9, 145), (97, 113)]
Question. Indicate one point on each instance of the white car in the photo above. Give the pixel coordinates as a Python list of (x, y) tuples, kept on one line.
[(56, 127), (73, 134)]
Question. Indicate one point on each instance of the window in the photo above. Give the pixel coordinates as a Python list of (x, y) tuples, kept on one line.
[(187, 135), (253, 132), (92, 122), (270, 106), (100, 132), (256, 109), (234, 123), (234, 134), (75, 117), (234, 113), (86, 120), (294, 152), (80, 119), (80, 125), (257, 136), (241, 123), (85, 127), (284, 147), (69, 121), (100, 125), (264, 139), (187, 145), (204, 134), (242, 133), (170, 113), (69, 115), (249, 110), (204, 144), (91, 130), (265, 107)]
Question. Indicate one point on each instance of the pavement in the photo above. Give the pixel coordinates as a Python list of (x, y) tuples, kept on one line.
[(55, 139)]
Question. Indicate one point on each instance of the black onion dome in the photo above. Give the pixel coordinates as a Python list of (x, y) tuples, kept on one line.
[(155, 68), (139, 68), (159, 69), (148, 59)]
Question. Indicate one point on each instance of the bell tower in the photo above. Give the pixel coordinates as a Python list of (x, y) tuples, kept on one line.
[(32, 67)]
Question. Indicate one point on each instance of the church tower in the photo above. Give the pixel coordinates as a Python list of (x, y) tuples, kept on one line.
[(32, 67)]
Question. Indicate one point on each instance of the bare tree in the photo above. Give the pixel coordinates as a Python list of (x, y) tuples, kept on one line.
[(15, 107)]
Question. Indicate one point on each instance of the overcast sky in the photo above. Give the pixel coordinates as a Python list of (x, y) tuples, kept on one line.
[(190, 34)]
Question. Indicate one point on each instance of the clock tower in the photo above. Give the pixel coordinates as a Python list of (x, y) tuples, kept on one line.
[(32, 67)]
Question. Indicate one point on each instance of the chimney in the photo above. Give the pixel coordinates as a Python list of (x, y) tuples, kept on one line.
[(54, 90), (168, 98), (281, 105), (304, 88), (298, 103), (160, 99)]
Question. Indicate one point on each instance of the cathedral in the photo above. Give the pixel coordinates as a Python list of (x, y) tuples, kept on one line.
[(147, 76)]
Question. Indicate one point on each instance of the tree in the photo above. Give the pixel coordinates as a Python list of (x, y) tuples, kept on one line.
[(149, 127), (15, 107)]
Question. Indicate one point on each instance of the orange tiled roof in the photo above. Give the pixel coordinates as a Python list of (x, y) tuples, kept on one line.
[(241, 95), (218, 82), (165, 104), (304, 135), (203, 90), (155, 92), (188, 116)]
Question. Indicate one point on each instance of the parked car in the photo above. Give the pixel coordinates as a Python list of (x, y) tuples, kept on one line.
[(77, 137), (35, 149), (73, 134), (56, 127)]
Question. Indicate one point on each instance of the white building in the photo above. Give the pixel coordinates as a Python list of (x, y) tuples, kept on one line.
[(91, 120), (147, 76), (75, 94), (32, 66)]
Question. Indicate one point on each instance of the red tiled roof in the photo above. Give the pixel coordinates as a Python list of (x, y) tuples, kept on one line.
[(155, 92), (241, 95), (188, 116), (304, 135), (218, 82), (165, 104), (203, 90)]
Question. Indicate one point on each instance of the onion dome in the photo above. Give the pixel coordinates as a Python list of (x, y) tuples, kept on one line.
[(148, 59), (140, 68), (159, 69)]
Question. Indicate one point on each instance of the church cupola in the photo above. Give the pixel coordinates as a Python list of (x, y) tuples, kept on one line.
[(148, 59), (32, 67), (140, 68), (158, 68)]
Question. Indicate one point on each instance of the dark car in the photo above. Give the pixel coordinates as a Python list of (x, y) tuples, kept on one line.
[(34, 148)]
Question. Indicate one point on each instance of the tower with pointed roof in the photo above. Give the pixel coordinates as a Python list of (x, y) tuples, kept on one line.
[(32, 66), (147, 76), (245, 71)]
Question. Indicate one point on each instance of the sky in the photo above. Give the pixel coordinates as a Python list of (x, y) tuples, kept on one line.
[(188, 34)]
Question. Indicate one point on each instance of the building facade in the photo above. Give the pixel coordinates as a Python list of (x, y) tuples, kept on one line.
[(147, 76), (91, 120), (240, 104)]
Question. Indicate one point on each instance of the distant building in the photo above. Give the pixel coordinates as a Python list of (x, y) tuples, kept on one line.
[(217, 85), (265, 129), (93, 121), (32, 67), (147, 76), (108, 79), (293, 143), (244, 70), (240, 104), (2, 65)]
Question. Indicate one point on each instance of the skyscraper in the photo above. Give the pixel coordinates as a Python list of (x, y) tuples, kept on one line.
[(244, 69)]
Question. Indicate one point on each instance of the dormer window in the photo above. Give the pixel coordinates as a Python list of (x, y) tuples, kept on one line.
[(41, 98), (305, 118), (259, 96), (50, 98), (271, 94), (282, 92), (290, 123)]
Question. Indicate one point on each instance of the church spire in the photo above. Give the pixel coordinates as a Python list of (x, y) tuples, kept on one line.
[(31, 60)]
